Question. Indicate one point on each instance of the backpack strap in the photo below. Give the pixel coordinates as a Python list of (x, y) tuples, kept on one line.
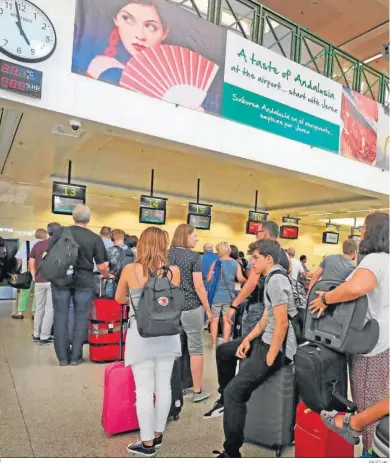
[(28, 253)]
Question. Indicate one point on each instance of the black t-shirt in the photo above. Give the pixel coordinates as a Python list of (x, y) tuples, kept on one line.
[(284, 260), (189, 262), (91, 247)]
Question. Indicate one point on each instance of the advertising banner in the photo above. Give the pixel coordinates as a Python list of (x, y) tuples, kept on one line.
[(151, 47), (166, 52), (272, 93)]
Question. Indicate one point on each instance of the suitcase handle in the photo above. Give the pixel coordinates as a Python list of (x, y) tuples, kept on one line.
[(123, 308)]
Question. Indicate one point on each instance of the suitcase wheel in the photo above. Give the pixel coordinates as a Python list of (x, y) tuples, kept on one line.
[(279, 452), (176, 417)]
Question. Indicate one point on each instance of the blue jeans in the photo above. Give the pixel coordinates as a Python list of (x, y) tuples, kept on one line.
[(82, 300)]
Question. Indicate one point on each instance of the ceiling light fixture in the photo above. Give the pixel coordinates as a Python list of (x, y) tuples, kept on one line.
[(370, 210), (321, 213), (373, 58)]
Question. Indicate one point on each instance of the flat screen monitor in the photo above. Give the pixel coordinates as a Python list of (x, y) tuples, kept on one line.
[(65, 206), (330, 237), (252, 228), (289, 232), (152, 216), (199, 221)]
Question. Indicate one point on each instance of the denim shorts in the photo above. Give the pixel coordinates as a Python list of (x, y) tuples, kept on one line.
[(193, 325), (219, 307)]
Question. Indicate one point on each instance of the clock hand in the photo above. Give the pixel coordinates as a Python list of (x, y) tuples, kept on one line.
[(19, 24)]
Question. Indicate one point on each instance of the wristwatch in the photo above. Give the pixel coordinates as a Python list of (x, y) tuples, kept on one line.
[(233, 306), (323, 300)]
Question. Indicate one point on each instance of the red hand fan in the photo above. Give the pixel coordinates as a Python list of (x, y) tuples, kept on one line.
[(171, 73)]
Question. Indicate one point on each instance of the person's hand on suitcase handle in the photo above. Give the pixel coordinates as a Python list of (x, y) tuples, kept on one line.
[(319, 305)]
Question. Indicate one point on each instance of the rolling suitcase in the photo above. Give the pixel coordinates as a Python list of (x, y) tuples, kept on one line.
[(119, 399), (106, 330), (313, 439), (185, 367), (380, 446), (270, 415), (177, 391)]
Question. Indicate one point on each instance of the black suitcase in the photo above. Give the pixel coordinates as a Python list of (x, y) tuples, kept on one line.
[(322, 378), (177, 391), (270, 418), (185, 363), (380, 447)]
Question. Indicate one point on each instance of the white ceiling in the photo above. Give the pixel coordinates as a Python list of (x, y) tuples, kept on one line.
[(116, 166)]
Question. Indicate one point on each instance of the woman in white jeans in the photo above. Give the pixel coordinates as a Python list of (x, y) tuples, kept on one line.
[(151, 359)]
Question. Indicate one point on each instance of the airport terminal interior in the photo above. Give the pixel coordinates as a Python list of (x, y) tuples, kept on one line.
[(123, 143)]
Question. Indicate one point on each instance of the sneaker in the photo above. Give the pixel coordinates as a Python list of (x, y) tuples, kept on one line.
[(158, 442), (139, 449), (215, 412), (202, 395), (46, 342), (224, 454), (35, 338), (63, 363), (74, 363)]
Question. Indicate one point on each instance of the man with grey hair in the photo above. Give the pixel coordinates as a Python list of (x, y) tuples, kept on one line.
[(91, 247), (296, 266)]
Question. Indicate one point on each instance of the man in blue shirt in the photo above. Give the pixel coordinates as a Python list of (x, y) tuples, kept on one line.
[(208, 258)]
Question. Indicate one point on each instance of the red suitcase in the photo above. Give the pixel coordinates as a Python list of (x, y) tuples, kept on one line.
[(106, 327), (315, 440)]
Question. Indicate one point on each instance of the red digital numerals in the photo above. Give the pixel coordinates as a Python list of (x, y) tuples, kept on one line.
[(8, 69), (13, 84)]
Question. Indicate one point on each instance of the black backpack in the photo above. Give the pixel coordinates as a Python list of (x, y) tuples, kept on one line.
[(297, 321), (58, 265), (159, 307), (118, 258), (322, 378)]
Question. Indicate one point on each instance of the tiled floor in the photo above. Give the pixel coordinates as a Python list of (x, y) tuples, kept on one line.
[(48, 411)]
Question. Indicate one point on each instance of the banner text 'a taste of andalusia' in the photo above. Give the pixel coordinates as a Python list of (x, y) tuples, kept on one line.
[(270, 92)]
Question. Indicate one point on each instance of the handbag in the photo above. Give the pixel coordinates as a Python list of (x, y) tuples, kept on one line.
[(22, 280)]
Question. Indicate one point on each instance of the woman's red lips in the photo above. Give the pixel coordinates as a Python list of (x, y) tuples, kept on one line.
[(138, 47)]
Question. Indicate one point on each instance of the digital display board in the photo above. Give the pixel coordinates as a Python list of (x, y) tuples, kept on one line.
[(290, 220), (289, 232), (153, 203), (20, 79), (200, 209), (152, 216), (65, 197), (330, 237), (64, 206), (199, 221), (252, 228), (257, 216)]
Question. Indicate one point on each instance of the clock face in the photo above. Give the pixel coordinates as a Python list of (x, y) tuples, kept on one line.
[(26, 33)]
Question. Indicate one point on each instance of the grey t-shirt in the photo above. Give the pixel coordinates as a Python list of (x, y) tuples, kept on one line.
[(279, 290), (337, 267)]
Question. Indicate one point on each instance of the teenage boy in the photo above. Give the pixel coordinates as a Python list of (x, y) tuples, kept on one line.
[(266, 353)]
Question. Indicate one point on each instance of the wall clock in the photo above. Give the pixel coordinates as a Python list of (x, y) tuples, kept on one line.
[(26, 33)]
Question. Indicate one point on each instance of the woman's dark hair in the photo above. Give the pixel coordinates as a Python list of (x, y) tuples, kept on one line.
[(241, 255), (234, 252), (303, 257), (376, 235)]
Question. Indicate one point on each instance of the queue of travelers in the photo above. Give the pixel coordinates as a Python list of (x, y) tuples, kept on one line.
[(215, 285)]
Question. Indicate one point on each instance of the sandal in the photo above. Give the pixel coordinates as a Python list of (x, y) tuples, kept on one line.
[(346, 432)]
